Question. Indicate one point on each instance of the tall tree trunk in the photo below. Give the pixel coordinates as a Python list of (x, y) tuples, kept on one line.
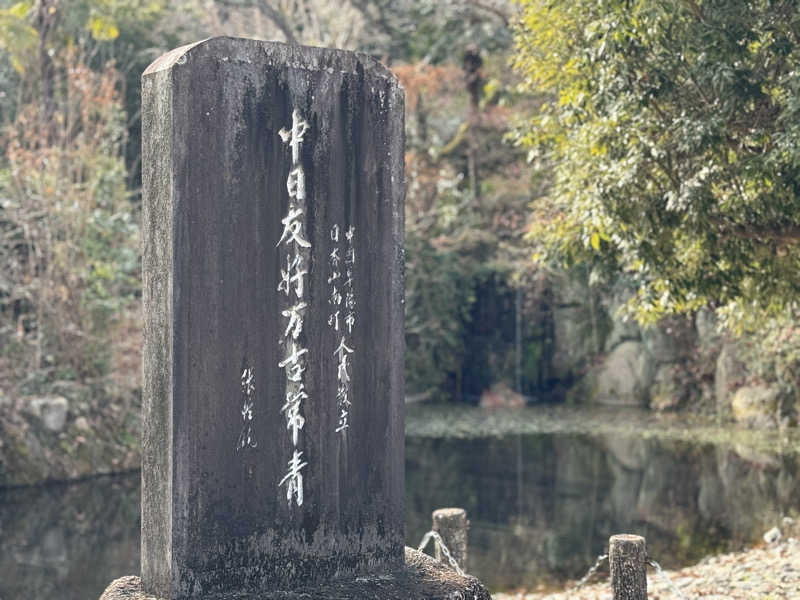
[(44, 22), (473, 75)]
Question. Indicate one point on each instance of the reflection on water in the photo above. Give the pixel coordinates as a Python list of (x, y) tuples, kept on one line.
[(541, 508), (67, 541)]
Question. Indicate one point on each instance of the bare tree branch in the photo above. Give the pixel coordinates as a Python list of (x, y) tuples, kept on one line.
[(784, 234), (492, 9), (274, 15)]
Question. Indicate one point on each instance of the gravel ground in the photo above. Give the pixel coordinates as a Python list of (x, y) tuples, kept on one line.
[(768, 572)]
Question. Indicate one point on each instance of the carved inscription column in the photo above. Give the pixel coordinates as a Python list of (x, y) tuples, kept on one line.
[(273, 301), (247, 438), (342, 317), (296, 249)]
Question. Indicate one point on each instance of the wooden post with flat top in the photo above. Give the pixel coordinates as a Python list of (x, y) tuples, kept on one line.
[(452, 524), (627, 557)]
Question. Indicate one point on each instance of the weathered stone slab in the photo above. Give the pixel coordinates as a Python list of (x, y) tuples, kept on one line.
[(422, 578), (273, 347)]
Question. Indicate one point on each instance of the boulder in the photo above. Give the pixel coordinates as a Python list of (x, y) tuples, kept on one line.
[(580, 325), (575, 341), (501, 394), (671, 341), (570, 288), (756, 406), (705, 324), (729, 375), (772, 536), (660, 344), (625, 376), (51, 410), (622, 328), (667, 392)]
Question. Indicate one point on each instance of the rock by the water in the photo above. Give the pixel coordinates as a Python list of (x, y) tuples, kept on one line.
[(755, 405), (623, 328), (666, 392), (625, 377), (772, 536), (706, 326), (60, 432), (52, 410), (422, 578), (729, 375), (574, 342), (125, 588), (579, 326)]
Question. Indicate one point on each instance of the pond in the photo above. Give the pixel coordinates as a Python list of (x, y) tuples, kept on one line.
[(544, 489)]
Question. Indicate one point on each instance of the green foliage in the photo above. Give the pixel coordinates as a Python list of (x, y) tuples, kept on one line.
[(17, 37), (69, 106), (431, 31), (461, 249), (68, 232), (672, 139), (69, 190), (774, 356), (439, 295)]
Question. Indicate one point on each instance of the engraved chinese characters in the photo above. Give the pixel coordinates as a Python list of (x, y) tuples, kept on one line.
[(296, 249), (246, 437), (341, 280)]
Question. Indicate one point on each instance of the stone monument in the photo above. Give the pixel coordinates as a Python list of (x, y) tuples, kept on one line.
[(273, 326)]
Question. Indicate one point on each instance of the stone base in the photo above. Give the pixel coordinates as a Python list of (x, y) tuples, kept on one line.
[(422, 578)]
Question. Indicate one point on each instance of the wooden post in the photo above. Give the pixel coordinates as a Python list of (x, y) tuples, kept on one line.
[(627, 557), (452, 525)]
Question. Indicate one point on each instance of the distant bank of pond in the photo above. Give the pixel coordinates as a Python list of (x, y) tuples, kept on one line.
[(544, 489)]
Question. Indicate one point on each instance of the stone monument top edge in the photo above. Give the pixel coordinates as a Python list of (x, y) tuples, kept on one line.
[(168, 59), (299, 57)]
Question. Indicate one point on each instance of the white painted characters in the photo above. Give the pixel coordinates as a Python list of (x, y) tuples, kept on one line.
[(296, 247), (295, 315), (294, 479), (294, 136), (294, 363), (342, 353), (349, 291), (246, 436), (293, 275), (342, 295), (291, 228)]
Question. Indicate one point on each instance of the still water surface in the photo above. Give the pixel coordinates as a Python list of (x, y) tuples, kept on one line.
[(542, 494)]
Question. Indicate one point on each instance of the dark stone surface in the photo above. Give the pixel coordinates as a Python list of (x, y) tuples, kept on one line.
[(421, 578), (214, 171)]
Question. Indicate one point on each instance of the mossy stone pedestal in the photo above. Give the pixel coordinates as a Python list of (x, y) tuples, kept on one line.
[(421, 578)]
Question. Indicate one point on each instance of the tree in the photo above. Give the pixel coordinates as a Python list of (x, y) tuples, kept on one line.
[(68, 231), (466, 210), (395, 30), (672, 144)]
